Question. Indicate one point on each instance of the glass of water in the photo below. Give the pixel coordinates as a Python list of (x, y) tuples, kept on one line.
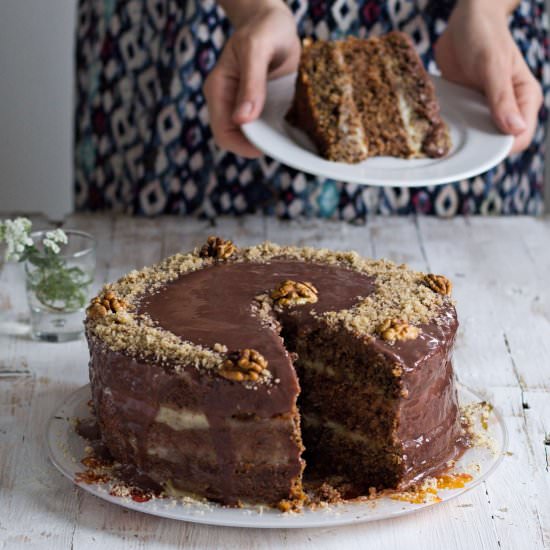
[(59, 286)]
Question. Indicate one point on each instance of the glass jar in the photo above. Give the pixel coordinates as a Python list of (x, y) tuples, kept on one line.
[(59, 286)]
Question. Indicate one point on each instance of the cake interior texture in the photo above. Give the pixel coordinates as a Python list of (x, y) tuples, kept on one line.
[(360, 409), (358, 98)]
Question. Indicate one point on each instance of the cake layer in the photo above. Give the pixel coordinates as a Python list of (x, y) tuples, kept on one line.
[(427, 133), (129, 395), (324, 107), (332, 452), (256, 486), (268, 436), (377, 97)]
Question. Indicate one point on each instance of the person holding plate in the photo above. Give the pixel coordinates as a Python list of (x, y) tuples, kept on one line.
[(164, 86)]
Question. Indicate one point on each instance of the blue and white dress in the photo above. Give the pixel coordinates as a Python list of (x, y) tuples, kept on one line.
[(143, 143)]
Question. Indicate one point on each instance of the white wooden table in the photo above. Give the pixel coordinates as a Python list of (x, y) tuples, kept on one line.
[(501, 272)]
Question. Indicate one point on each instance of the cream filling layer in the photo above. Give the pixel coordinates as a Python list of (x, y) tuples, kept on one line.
[(182, 419), (349, 121), (414, 128), (171, 454), (415, 136), (275, 457), (339, 429), (319, 367)]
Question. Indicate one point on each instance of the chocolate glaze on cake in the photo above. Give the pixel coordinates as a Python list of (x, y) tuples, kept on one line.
[(377, 404)]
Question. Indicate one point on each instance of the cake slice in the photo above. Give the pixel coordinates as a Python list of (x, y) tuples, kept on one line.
[(359, 98)]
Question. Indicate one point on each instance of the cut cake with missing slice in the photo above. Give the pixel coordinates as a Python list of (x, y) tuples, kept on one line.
[(359, 98), (211, 371)]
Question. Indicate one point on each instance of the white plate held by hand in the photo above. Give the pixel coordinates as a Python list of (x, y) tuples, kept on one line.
[(477, 144)]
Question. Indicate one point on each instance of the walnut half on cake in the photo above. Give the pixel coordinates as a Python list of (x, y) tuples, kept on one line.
[(212, 370), (359, 98)]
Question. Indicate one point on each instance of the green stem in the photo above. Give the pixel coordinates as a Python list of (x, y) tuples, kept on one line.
[(56, 286)]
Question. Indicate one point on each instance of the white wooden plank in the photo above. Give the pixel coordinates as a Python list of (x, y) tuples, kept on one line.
[(137, 242), (537, 417), (182, 235), (397, 239), (501, 276), (528, 332), (15, 395), (319, 233), (38, 506), (454, 249), (516, 493), (244, 231)]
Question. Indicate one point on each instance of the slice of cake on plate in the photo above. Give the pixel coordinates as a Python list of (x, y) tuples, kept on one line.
[(359, 98)]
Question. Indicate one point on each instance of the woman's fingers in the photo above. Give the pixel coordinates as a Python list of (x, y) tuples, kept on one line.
[(220, 90), (254, 61), (529, 99), (494, 65), (515, 98), (499, 90), (264, 43)]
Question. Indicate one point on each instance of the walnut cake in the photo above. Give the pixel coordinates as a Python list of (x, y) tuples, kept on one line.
[(359, 98), (238, 374)]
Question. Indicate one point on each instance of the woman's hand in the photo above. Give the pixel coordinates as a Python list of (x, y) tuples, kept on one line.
[(477, 50), (264, 45)]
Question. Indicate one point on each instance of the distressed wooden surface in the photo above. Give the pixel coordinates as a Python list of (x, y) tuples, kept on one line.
[(501, 271)]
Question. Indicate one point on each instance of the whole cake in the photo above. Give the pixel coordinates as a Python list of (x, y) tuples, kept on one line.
[(359, 98), (212, 371)]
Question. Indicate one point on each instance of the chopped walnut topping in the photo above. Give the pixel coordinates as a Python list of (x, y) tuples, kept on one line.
[(219, 348), (399, 293), (96, 311), (397, 329), (107, 303), (217, 248), (439, 284), (293, 293), (246, 364)]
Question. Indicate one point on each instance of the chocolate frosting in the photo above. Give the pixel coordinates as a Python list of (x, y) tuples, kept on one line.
[(215, 305)]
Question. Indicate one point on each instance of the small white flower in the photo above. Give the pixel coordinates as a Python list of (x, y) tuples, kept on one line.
[(52, 245), (57, 236), (16, 235)]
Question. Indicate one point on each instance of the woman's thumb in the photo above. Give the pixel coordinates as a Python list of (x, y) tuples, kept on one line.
[(499, 90), (252, 86)]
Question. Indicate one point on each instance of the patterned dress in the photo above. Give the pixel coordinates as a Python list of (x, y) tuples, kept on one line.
[(143, 143)]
